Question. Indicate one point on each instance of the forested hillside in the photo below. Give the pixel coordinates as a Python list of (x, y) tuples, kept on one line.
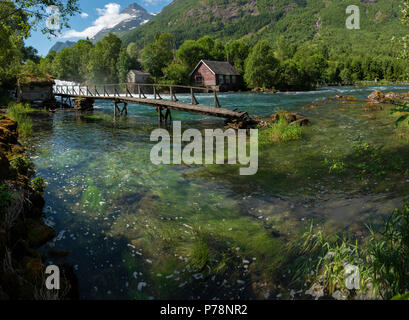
[(299, 21)]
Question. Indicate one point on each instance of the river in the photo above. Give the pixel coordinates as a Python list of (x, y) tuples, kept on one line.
[(139, 231)]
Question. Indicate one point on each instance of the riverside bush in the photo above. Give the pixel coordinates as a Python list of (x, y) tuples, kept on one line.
[(38, 184), (22, 164), (280, 132)]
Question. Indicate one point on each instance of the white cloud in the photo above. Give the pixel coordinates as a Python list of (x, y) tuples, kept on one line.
[(109, 17), (84, 15)]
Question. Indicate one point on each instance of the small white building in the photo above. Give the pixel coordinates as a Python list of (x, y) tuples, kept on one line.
[(138, 76)]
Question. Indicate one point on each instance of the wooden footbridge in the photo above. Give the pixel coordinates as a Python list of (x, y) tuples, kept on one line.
[(151, 95)]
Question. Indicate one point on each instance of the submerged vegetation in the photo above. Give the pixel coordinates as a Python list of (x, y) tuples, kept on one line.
[(367, 160), (376, 268)]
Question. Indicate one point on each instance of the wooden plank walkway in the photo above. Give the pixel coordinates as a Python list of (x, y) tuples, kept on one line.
[(105, 93)]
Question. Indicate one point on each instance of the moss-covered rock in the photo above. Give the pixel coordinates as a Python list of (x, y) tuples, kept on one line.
[(7, 136), (38, 233), (8, 124)]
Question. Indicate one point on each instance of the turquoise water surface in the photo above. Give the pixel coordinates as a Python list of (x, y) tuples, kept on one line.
[(139, 231)]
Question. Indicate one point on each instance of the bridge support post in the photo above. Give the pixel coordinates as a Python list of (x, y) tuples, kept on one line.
[(125, 109), (118, 110), (168, 116), (160, 115), (115, 108)]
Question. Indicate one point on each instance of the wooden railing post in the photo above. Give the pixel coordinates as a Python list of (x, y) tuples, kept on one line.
[(128, 92), (193, 98), (216, 100)]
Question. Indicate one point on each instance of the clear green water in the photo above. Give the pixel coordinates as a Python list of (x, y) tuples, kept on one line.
[(138, 231)]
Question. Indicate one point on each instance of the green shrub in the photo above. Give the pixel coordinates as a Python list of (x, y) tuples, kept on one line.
[(38, 184), (335, 166), (22, 164), (390, 254), (368, 159), (279, 132), (403, 110), (382, 260)]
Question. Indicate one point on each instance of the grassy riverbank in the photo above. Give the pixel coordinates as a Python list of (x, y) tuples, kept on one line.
[(22, 229)]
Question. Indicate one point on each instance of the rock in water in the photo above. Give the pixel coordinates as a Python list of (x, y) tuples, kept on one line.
[(83, 104), (379, 97)]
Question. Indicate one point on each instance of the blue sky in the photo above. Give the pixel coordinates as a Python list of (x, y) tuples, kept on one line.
[(94, 15)]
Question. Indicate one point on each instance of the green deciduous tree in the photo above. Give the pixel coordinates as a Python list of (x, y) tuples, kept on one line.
[(285, 50), (176, 73), (190, 53), (158, 54), (123, 65), (35, 11), (261, 66), (237, 53), (63, 65), (81, 56), (132, 51), (17, 19), (102, 65)]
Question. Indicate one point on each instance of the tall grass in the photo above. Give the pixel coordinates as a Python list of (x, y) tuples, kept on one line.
[(324, 263), (279, 132), (382, 261), (18, 112), (390, 252)]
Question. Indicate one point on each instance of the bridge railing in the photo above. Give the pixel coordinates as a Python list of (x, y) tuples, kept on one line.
[(134, 90)]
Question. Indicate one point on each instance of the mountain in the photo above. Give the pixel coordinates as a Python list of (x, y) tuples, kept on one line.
[(62, 45), (139, 16), (299, 21)]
